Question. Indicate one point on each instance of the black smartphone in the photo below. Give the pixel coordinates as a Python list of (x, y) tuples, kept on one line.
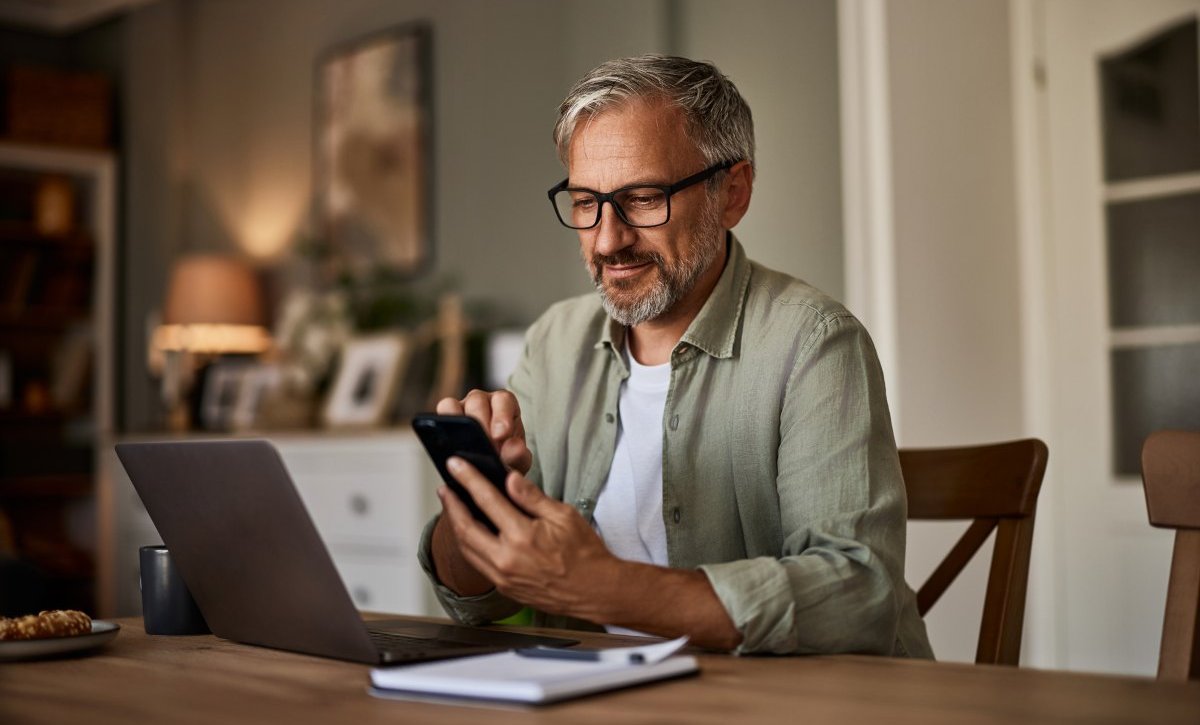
[(460, 435)]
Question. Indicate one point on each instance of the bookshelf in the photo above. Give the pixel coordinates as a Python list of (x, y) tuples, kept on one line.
[(57, 253)]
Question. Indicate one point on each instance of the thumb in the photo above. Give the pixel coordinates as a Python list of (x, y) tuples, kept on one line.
[(528, 496)]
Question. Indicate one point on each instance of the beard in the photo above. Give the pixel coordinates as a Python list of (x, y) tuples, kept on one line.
[(634, 301)]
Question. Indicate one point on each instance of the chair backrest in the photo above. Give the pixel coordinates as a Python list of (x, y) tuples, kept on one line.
[(1171, 473), (997, 486)]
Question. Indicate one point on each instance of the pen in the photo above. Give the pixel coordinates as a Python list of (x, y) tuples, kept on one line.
[(559, 653)]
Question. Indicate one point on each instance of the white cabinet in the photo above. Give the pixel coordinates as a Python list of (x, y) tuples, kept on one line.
[(369, 496)]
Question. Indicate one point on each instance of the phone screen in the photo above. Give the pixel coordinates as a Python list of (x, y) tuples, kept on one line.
[(457, 435)]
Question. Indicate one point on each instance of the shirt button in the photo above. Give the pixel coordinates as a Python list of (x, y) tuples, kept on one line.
[(608, 417), (675, 514), (674, 422), (583, 504)]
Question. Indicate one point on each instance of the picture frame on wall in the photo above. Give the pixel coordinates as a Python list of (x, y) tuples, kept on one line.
[(369, 374), (373, 146)]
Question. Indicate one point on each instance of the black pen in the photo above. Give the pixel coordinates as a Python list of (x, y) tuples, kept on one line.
[(561, 653)]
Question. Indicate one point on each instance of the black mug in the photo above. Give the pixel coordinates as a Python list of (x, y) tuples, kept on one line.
[(167, 605)]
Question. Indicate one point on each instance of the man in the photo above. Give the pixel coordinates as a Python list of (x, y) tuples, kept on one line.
[(706, 449)]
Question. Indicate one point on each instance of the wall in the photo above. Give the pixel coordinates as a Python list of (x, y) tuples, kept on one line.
[(220, 112), (783, 57), (957, 300), (153, 172), (220, 106), (955, 221)]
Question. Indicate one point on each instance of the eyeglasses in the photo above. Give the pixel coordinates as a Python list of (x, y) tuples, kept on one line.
[(643, 205)]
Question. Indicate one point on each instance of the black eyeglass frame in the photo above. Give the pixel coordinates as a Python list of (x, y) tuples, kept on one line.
[(611, 197)]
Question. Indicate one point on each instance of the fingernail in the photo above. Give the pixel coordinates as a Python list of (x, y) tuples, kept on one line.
[(454, 463)]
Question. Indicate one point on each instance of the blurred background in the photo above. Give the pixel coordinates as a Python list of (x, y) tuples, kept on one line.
[(306, 219)]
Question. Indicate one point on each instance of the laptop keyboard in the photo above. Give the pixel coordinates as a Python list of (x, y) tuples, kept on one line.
[(399, 647)]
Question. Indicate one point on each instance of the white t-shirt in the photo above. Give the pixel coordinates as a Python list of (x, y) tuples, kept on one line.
[(628, 513)]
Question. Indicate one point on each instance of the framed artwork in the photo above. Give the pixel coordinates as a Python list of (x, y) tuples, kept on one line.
[(368, 376), (373, 145), (219, 397), (257, 382)]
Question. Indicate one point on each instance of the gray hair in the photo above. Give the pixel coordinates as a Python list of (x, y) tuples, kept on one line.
[(717, 117)]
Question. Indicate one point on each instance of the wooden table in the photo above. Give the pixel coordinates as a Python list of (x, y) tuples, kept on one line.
[(143, 679)]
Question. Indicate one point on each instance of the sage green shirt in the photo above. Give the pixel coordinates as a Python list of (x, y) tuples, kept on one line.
[(780, 475)]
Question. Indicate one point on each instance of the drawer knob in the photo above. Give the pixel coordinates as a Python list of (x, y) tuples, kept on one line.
[(359, 504)]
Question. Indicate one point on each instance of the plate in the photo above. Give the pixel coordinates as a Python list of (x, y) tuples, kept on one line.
[(28, 649)]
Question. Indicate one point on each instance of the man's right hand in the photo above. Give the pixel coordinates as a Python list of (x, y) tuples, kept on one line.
[(500, 415)]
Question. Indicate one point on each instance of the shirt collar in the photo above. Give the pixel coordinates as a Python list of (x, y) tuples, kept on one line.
[(715, 328)]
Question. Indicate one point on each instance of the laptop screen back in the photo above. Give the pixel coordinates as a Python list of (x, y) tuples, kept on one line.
[(246, 547)]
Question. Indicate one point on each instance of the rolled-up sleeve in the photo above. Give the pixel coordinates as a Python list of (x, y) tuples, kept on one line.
[(473, 610), (837, 584)]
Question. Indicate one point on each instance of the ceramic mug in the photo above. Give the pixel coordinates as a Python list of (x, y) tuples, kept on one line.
[(167, 605)]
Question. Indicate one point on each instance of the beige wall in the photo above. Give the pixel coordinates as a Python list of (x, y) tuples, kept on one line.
[(783, 57), (955, 221), (958, 372), (218, 130), (955, 235)]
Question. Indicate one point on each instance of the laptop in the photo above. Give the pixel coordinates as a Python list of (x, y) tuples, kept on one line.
[(256, 566)]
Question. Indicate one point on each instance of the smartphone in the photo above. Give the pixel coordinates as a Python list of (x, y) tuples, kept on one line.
[(460, 435)]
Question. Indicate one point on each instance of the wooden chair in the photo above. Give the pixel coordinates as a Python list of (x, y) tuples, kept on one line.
[(1171, 473), (996, 485)]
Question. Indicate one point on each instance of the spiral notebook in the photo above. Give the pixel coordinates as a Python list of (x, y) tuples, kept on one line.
[(537, 676)]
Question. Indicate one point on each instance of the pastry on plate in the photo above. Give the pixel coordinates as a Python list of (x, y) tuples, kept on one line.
[(56, 623)]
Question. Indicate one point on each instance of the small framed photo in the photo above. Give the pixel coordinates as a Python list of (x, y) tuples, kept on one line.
[(369, 373), (258, 381), (222, 386)]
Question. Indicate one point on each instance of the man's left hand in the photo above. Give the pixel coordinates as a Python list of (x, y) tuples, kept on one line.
[(547, 557)]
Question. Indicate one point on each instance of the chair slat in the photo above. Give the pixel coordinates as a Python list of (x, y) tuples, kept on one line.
[(954, 563), (1179, 657), (1004, 604)]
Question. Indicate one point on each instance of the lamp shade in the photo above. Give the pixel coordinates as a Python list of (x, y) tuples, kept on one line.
[(213, 290), (214, 304)]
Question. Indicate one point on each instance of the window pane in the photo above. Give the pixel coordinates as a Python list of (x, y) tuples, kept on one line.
[(1153, 388), (1154, 261), (1151, 106)]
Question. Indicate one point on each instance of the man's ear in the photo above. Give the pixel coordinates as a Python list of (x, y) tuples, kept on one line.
[(737, 194)]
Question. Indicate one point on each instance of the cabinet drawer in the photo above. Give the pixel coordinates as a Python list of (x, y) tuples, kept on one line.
[(359, 492), (383, 587), (365, 507)]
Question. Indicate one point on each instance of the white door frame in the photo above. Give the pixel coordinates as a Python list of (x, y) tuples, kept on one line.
[(870, 268), (1041, 646)]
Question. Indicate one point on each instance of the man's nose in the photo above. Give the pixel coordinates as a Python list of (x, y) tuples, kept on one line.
[(612, 234)]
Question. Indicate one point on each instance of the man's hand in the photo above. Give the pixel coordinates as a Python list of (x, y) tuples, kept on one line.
[(550, 559), (500, 415)]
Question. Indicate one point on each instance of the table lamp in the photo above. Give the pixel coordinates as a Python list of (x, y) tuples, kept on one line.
[(214, 306)]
